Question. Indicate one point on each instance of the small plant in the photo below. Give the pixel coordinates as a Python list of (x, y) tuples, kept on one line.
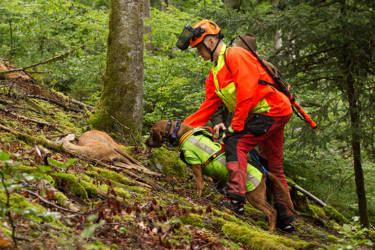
[(356, 234)]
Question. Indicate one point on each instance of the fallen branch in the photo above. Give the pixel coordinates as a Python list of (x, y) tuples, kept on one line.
[(31, 120), (76, 102), (52, 204), (54, 102), (53, 59)]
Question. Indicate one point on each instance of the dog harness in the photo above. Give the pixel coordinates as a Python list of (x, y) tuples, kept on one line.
[(197, 148)]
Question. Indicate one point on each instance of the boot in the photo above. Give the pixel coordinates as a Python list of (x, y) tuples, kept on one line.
[(233, 204), (284, 221)]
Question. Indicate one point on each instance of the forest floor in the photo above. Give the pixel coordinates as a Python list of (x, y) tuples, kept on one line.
[(51, 199)]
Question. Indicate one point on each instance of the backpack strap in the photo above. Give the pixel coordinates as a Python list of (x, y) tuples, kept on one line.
[(225, 59)]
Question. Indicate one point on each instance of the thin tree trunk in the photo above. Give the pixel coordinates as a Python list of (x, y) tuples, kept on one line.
[(356, 147), (355, 122), (147, 28)]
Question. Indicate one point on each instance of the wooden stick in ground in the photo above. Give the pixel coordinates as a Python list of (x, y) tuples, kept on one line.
[(50, 60), (310, 195)]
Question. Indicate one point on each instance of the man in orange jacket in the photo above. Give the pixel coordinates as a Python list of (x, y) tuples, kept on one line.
[(238, 80)]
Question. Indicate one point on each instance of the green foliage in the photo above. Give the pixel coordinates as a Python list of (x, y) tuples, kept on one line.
[(357, 234), (13, 203), (173, 80), (33, 31)]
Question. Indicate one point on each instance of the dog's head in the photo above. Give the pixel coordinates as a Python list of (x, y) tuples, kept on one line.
[(157, 134)]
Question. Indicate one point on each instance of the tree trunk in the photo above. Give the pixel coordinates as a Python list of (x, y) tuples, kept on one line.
[(147, 28), (349, 60), (120, 106), (356, 147)]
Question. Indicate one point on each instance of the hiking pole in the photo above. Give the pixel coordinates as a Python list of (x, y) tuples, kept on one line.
[(282, 87)]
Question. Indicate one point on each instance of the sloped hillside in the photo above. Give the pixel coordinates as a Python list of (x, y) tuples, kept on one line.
[(51, 199)]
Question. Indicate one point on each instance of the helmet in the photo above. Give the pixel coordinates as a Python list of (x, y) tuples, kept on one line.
[(208, 27)]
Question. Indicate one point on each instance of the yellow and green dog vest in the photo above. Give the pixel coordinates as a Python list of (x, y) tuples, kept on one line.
[(198, 147)]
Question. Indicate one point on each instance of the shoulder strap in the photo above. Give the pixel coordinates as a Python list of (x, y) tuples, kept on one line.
[(225, 59)]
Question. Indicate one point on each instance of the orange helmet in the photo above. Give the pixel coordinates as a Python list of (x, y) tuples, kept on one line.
[(208, 27)]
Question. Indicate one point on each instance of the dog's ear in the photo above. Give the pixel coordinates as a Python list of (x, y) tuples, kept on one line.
[(157, 136)]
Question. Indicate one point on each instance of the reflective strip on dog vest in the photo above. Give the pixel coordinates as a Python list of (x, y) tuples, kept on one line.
[(197, 149), (228, 94)]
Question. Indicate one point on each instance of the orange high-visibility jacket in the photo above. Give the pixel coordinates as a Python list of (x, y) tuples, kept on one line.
[(245, 72)]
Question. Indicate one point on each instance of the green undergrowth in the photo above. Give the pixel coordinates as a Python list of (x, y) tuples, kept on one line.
[(31, 210)]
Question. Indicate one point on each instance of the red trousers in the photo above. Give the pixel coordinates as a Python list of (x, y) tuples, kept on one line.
[(266, 132)]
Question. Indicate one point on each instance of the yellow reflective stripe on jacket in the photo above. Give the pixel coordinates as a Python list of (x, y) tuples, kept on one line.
[(228, 94)]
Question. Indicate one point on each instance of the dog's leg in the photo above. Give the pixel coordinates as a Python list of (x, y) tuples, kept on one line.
[(258, 199), (285, 192), (197, 171)]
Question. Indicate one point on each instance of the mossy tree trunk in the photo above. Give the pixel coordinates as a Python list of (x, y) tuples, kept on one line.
[(120, 106)]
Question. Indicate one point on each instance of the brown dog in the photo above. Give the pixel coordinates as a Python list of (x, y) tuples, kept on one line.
[(257, 197), (98, 145)]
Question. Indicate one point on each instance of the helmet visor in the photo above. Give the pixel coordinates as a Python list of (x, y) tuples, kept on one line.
[(184, 38)]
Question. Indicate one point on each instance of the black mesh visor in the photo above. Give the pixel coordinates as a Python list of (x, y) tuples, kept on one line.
[(188, 33), (184, 38)]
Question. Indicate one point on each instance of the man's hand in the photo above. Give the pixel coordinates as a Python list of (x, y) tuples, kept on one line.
[(217, 129)]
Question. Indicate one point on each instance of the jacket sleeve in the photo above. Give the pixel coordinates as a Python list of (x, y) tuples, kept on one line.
[(208, 106), (245, 74)]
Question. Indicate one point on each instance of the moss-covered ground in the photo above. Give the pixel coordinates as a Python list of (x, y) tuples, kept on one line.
[(62, 203)]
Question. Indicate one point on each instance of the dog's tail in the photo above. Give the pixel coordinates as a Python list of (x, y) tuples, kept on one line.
[(278, 183)]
